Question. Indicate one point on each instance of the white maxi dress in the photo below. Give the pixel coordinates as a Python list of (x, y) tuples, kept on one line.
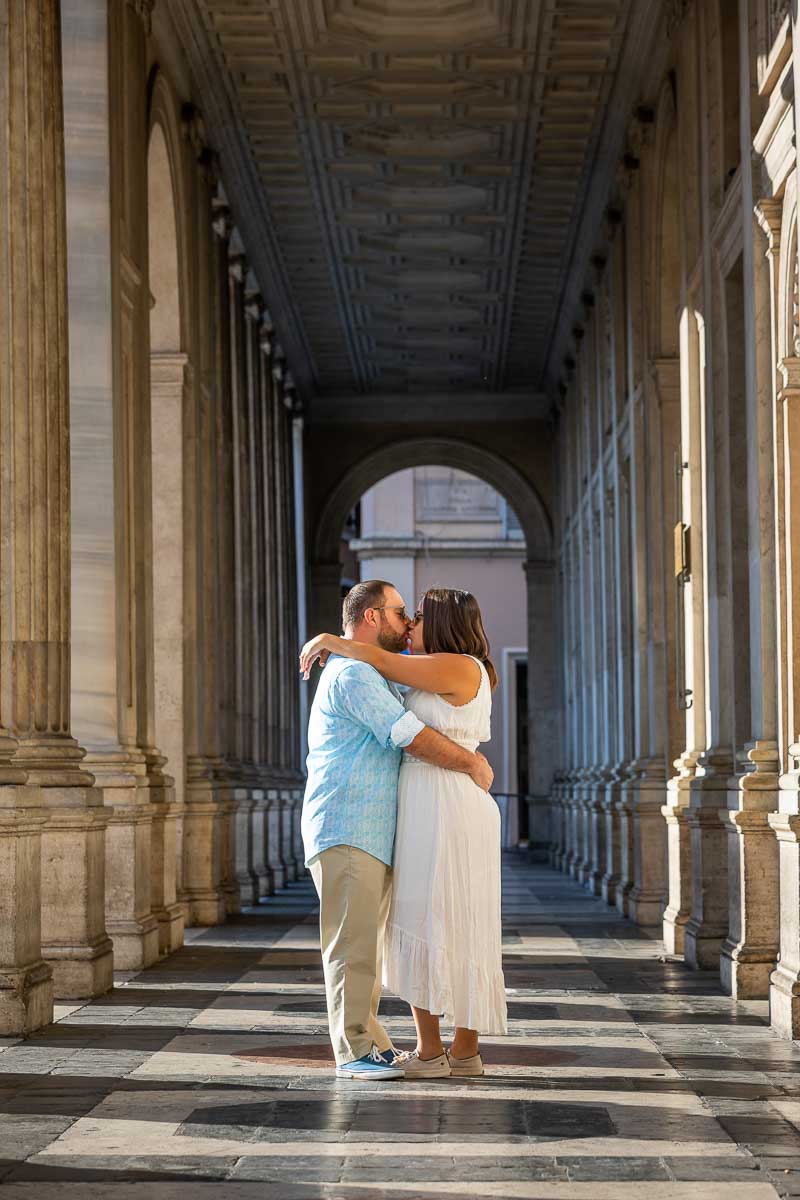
[(442, 950)]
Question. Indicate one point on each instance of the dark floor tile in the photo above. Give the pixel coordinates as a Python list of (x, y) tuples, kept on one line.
[(596, 1169)]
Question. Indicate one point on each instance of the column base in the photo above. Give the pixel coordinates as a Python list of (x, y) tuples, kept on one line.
[(277, 867), (608, 889), (784, 992), (26, 999), (677, 911), (646, 908), (702, 945), (208, 909), (26, 980), (171, 921), (648, 849), (674, 930), (287, 834), (81, 971), (201, 896), (259, 870), (622, 897), (74, 938), (242, 889), (745, 970), (708, 925), (784, 1002), (136, 943), (229, 884), (129, 779)]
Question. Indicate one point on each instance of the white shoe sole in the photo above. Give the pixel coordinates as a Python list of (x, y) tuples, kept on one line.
[(466, 1068), (343, 1073), (439, 1073)]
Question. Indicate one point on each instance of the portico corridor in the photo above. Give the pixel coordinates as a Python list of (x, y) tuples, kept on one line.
[(625, 1075)]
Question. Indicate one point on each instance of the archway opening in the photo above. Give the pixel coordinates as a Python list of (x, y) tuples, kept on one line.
[(440, 511)]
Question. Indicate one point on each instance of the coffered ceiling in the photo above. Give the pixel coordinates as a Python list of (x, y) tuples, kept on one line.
[(423, 179)]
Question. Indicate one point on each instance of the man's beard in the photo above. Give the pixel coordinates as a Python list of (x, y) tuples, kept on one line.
[(395, 643)]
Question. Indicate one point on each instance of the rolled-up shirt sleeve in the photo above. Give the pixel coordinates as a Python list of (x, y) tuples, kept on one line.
[(363, 695)]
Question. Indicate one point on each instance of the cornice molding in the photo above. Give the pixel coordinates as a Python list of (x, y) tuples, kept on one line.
[(644, 43)]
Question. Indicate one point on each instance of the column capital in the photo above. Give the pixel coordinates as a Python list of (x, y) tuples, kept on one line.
[(237, 266), (769, 215), (222, 221), (790, 377), (253, 300), (194, 130), (267, 333), (667, 376)]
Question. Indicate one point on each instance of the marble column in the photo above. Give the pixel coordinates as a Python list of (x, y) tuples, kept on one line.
[(301, 557), (26, 988), (168, 398), (35, 536), (784, 993), (26, 980), (784, 981), (255, 866), (657, 730), (707, 925), (612, 804), (541, 601), (240, 884), (206, 842), (691, 676), (287, 640), (113, 689), (750, 950)]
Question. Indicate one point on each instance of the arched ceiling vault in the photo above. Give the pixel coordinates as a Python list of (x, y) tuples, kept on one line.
[(420, 182)]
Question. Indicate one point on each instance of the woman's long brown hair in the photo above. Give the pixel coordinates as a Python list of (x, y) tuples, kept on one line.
[(452, 624)]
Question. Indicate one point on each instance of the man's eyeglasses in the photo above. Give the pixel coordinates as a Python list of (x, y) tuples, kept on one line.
[(402, 610)]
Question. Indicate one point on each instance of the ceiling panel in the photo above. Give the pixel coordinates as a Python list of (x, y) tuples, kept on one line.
[(424, 166)]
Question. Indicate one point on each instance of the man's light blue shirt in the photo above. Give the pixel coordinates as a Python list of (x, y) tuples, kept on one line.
[(356, 732)]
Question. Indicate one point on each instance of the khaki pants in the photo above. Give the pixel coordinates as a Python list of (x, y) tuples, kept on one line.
[(354, 891)]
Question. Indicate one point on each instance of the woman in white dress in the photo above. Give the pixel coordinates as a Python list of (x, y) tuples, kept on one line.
[(443, 937)]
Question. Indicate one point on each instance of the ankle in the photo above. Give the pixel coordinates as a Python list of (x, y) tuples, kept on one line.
[(427, 1051), (464, 1049)]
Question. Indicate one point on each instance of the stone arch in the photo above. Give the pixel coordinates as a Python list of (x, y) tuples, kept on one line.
[(524, 498), (431, 451), (169, 190)]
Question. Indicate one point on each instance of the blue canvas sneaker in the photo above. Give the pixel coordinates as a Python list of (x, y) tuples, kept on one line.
[(371, 1066), (395, 1058)]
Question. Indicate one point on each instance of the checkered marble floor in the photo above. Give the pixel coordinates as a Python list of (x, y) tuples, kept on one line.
[(624, 1075)]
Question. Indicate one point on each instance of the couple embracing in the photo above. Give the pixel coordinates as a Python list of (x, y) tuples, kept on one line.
[(400, 833)]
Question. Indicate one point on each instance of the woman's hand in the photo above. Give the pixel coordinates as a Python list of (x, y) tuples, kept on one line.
[(318, 648)]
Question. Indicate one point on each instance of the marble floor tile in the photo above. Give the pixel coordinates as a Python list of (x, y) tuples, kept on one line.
[(624, 1077)]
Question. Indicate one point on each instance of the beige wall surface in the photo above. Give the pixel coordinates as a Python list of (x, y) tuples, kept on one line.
[(500, 589)]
